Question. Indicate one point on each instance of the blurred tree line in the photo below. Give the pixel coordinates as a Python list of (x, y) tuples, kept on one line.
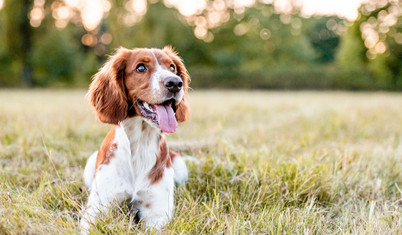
[(48, 43)]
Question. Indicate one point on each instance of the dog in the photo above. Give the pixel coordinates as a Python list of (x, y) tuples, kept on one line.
[(143, 94)]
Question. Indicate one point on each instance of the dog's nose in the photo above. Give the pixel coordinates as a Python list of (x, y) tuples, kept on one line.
[(173, 84)]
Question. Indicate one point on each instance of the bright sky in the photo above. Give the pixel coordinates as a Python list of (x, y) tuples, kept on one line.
[(345, 8)]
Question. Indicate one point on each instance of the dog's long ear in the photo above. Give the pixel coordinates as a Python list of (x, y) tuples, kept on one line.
[(107, 91), (183, 110)]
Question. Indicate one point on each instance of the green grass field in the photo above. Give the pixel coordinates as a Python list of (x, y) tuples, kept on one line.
[(270, 163)]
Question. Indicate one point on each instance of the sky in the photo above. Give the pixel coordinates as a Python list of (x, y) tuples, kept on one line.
[(344, 8)]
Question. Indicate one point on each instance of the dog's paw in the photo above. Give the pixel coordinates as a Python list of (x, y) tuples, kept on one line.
[(180, 170), (84, 226), (157, 222)]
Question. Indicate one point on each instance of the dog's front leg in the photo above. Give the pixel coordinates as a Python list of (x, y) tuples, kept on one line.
[(107, 190), (155, 204)]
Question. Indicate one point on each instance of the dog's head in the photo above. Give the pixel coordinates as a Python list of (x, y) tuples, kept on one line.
[(150, 83)]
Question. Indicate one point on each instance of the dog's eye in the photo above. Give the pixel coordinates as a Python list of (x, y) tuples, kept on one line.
[(141, 68), (172, 68)]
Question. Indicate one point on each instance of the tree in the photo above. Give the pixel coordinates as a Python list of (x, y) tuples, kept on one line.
[(324, 39), (372, 43), (19, 36)]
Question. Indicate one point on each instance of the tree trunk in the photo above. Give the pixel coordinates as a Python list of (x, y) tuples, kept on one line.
[(26, 44)]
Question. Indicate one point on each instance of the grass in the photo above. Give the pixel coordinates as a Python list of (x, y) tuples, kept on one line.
[(270, 163)]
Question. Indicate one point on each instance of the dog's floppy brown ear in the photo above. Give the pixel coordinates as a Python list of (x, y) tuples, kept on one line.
[(183, 110), (107, 91)]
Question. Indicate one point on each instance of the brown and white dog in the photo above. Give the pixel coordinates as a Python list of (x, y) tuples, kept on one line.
[(142, 93)]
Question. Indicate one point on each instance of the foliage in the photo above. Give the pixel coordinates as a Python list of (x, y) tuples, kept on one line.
[(363, 42), (324, 40), (62, 52), (18, 34), (256, 47), (282, 77), (352, 52)]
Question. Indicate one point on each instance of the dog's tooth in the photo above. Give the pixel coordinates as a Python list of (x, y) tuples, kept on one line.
[(149, 108), (146, 105)]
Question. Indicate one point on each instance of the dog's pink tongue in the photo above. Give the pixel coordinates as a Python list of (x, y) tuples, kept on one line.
[(167, 120)]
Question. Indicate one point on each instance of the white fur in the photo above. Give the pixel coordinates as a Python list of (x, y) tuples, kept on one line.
[(89, 171), (180, 170), (125, 177), (159, 75)]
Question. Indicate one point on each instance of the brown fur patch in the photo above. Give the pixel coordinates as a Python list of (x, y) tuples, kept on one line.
[(106, 151), (143, 126), (183, 111), (107, 92), (163, 161), (173, 154), (138, 84)]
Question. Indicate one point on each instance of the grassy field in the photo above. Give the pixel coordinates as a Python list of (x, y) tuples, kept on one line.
[(270, 163)]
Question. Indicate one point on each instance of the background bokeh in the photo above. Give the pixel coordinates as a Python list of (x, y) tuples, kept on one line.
[(253, 44)]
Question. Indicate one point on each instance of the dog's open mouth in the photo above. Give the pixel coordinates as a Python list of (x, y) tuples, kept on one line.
[(161, 114)]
